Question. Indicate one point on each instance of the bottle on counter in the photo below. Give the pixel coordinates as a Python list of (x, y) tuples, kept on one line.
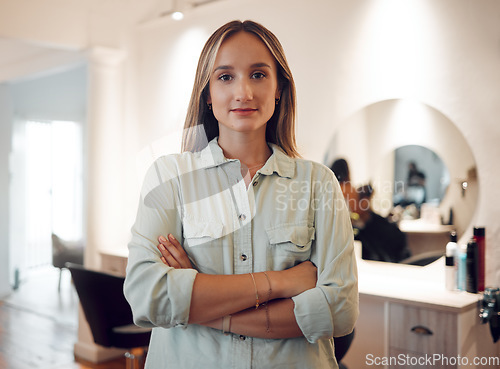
[(479, 237), (472, 267), (462, 267), (451, 262)]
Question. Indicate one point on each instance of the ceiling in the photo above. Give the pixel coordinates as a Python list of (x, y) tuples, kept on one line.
[(21, 56)]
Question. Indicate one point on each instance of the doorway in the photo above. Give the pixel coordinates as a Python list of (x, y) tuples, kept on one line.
[(46, 192)]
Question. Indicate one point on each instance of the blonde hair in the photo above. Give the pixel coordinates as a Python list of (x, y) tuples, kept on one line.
[(201, 126)]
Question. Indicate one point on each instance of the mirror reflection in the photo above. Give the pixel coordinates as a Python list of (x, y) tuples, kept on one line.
[(381, 239), (420, 176), (380, 141)]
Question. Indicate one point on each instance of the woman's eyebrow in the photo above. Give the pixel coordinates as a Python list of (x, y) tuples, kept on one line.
[(260, 65), (255, 65), (223, 67)]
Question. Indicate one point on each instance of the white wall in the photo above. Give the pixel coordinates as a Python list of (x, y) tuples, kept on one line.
[(346, 55), (5, 144)]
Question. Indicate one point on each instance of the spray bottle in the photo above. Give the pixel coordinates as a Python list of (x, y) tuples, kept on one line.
[(451, 265)]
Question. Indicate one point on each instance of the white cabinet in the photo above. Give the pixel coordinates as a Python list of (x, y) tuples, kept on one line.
[(408, 320), (400, 334), (422, 332)]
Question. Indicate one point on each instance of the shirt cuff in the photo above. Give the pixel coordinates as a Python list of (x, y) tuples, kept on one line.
[(313, 315), (180, 287)]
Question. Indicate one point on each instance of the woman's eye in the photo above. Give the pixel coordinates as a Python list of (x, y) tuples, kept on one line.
[(225, 77), (258, 75)]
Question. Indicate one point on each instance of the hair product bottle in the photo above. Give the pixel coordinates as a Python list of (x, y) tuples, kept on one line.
[(462, 257), (451, 262), (479, 237), (472, 264)]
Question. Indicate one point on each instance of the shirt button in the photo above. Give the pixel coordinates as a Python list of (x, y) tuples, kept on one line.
[(242, 217), (242, 338), (243, 257), (255, 183)]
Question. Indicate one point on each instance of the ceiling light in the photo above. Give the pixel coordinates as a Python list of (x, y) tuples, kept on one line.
[(177, 15)]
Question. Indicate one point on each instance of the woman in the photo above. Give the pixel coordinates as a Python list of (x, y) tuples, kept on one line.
[(257, 268)]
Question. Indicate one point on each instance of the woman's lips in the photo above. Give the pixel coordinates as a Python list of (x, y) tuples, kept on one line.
[(246, 111)]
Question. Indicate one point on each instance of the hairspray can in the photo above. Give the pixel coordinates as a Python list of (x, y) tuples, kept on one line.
[(479, 233), (471, 262)]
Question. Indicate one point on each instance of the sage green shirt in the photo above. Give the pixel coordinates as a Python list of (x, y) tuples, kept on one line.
[(292, 211)]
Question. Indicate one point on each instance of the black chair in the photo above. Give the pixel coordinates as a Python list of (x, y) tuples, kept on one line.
[(65, 252), (108, 313), (423, 259), (341, 345)]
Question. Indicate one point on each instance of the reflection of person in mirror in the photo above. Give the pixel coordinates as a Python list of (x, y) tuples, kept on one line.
[(415, 189), (415, 192), (340, 168), (223, 275), (415, 176), (381, 239)]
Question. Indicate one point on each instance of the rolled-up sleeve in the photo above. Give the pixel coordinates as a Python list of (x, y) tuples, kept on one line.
[(330, 309), (158, 295)]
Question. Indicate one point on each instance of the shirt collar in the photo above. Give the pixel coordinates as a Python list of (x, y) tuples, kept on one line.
[(212, 155), (278, 162)]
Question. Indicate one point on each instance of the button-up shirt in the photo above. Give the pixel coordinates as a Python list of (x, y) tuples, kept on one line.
[(292, 211)]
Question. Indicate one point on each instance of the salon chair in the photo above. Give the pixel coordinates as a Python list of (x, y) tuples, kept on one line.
[(423, 259), (108, 313), (341, 345), (65, 252)]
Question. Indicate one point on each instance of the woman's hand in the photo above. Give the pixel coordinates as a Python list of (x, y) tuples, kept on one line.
[(172, 253), (296, 280)]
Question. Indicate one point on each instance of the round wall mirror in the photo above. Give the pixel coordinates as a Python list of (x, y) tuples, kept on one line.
[(380, 141)]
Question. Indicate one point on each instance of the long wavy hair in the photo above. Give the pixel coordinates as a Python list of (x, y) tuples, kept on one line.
[(201, 126)]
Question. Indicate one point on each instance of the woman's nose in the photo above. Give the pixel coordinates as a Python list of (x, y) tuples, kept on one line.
[(243, 91)]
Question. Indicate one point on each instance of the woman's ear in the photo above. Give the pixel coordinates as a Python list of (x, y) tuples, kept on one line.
[(209, 99)]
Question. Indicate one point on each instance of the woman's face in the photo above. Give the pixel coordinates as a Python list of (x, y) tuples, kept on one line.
[(243, 85)]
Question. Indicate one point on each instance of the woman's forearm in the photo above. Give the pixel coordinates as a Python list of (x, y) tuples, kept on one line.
[(215, 296), (274, 321)]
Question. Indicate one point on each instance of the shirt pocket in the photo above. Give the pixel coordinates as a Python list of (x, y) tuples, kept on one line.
[(290, 244), (204, 243), (199, 232)]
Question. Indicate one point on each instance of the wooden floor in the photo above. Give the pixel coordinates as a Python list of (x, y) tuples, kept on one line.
[(38, 325)]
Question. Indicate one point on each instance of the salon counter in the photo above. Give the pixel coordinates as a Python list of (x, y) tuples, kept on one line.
[(424, 237), (406, 314), (419, 285)]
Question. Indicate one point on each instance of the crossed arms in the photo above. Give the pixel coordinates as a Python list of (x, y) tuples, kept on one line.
[(217, 296)]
